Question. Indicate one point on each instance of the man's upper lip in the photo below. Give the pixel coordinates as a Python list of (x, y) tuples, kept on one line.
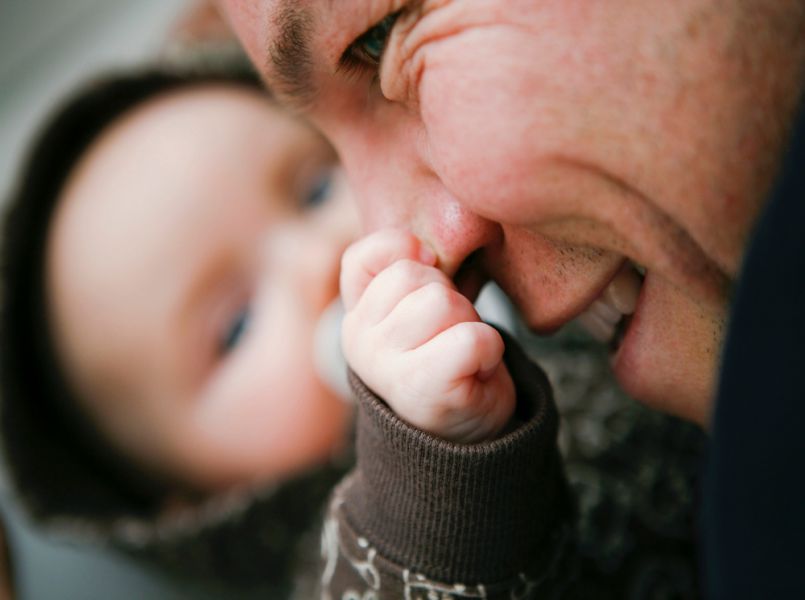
[(473, 274), (582, 303)]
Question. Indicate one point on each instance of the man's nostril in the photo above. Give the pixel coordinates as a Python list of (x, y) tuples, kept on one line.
[(471, 276)]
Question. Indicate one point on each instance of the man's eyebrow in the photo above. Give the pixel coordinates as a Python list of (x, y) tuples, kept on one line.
[(289, 56)]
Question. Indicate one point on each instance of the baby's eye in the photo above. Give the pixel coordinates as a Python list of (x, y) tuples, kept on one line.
[(320, 191), (368, 49), (236, 330)]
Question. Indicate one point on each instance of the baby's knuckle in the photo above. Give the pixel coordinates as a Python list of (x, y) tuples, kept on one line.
[(467, 335), (472, 339), (404, 269), (438, 297)]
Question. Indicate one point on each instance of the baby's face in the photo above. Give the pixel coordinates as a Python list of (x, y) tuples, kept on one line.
[(192, 253)]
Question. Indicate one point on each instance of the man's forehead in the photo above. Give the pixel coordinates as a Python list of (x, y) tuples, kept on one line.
[(300, 37)]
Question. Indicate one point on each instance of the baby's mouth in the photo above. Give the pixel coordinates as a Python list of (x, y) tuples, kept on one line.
[(607, 318)]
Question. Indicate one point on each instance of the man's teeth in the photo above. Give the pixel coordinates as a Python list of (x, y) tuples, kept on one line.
[(622, 293), (597, 325), (619, 299)]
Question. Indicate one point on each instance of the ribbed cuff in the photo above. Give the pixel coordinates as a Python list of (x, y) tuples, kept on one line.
[(475, 512)]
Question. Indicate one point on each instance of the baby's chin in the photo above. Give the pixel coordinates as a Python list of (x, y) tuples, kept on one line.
[(328, 358)]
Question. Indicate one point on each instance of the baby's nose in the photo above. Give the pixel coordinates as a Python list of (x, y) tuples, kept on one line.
[(299, 256)]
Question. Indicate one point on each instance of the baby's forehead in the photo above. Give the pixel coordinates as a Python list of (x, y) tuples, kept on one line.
[(153, 164), (190, 122)]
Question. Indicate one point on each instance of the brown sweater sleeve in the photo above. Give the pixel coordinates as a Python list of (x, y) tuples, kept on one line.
[(422, 517)]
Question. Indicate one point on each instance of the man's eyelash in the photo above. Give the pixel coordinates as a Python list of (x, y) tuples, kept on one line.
[(352, 67), (356, 60)]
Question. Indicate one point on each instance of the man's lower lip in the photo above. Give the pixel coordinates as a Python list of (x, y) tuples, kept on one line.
[(620, 334)]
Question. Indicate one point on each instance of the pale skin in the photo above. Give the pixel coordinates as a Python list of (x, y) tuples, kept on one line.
[(418, 343), (193, 250), (546, 145)]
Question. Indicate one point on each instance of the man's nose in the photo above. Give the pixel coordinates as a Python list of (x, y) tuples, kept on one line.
[(454, 232), (396, 186)]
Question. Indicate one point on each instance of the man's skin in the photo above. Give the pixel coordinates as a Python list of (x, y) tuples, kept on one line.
[(549, 142)]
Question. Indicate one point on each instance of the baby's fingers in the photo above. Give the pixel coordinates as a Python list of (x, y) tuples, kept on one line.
[(367, 257), (468, 349), (475, 392), (393, 286), (425, 313)]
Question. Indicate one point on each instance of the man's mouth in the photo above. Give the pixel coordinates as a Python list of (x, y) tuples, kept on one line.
[(607, 318)]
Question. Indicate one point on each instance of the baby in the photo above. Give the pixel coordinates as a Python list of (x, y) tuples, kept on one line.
[(170, 317), (169, 256)]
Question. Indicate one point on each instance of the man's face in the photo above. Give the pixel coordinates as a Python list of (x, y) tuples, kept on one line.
[(549, 145)]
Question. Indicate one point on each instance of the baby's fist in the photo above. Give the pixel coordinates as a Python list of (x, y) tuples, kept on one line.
[(419, 344)]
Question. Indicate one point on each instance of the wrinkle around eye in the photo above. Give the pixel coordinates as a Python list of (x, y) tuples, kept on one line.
[(416, 29), (420, 27)]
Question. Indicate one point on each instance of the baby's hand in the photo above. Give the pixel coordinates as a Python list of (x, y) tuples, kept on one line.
[(419, 344)]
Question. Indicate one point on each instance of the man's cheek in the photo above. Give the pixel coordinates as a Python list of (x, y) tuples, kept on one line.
[(481, 118)]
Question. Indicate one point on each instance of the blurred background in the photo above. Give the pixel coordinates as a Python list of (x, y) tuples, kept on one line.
[(46, 48)]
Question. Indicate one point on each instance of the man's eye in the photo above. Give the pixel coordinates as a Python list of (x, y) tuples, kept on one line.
[(236, 330), (367, 50)]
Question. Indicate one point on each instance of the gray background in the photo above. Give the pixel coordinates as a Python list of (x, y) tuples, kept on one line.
[(46, 48)]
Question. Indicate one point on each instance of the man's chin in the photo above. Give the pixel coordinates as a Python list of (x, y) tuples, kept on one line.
[(660, 388), (669, 354)]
